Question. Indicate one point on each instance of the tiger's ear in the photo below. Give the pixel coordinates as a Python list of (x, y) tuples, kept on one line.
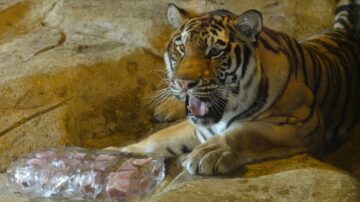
[(250, 24), (176, 16)]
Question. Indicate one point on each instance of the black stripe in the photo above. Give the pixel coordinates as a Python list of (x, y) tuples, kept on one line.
[(236, 90), (171, 151), (343, 22), (237, 53), (292, 56), (303, 61), (247, 54), (203, 34), (211, 131), (328, 68), (316, 68), (234, 78), (214, 32), (313, 66), (341, 8), (318, 76), (218, 28), (202, 135), (247, 84), (273, 35), (190, 24), (212, 39), (228, 63), (228, 48), (220, 42), (336, 92), (220, 24), (267, 45), (351, 8)]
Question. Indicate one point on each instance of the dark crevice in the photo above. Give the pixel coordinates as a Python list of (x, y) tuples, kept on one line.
[(59, 43)]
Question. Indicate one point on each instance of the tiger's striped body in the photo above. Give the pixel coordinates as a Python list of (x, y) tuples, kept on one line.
[(252, 93), (334, 80), (329, 65)]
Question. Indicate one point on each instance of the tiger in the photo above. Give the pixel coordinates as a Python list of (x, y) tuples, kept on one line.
[(251, 93)]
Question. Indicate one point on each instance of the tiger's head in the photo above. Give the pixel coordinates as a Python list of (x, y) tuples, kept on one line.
[(207, 58)]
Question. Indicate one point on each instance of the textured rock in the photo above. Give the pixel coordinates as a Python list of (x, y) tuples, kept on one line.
[(79, 73), (296, 185), (98, 106), (72, 88), (298, 178)]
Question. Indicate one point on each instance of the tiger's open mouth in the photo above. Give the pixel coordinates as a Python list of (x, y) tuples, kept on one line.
[(196, 107), (204, 111)]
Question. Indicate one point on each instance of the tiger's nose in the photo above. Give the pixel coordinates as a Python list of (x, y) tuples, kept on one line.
[(186, 84)]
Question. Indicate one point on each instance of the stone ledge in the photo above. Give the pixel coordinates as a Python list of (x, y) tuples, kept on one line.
[(297, 178), (308, 184)]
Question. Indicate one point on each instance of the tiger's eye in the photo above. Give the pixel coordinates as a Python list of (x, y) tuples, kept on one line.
[(214, 51)]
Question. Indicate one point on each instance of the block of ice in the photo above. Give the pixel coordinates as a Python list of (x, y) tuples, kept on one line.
[(77, 173)]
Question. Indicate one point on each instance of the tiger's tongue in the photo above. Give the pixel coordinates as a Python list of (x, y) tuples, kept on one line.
[(196, 107)]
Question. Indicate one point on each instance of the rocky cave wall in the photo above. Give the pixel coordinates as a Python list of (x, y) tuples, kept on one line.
[(79, 72)]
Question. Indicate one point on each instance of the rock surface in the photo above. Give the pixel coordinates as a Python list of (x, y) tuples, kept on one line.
[(80, 73), (295, 185), (298, 178)]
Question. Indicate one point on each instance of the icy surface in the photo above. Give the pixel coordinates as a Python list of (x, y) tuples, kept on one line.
[(77, 173)]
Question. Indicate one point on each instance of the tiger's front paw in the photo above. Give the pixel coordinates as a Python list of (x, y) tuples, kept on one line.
[(170, 111), (212, 157)]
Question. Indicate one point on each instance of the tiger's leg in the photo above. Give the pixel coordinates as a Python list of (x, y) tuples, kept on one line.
[(172, 141), (247, 143), (170, 111)]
